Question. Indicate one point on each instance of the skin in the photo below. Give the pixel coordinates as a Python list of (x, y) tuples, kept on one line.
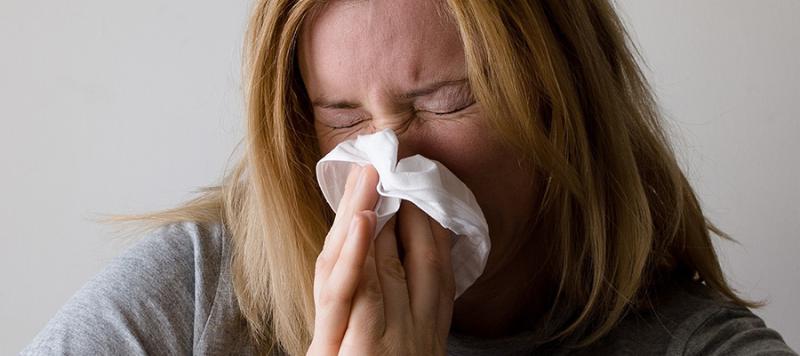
[(358, 61)]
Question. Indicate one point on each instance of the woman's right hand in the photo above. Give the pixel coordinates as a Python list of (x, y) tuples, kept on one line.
[(367, 300)]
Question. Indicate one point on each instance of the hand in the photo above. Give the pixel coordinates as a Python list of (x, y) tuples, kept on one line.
[(367, 301)]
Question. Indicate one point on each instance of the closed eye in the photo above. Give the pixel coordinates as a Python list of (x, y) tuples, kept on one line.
[(354, 123), (453, 111)]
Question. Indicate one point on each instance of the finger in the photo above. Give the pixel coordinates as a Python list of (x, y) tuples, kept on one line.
[(392, 277), (327, 259), (336, 297), (421, 263), (360, 195), (443, 241), (367, 314), (349, 185), (363, 195)]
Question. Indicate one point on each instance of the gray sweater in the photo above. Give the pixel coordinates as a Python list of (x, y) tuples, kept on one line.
[(171, 294)]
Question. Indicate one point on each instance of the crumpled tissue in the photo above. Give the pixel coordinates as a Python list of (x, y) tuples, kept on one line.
[(426, 183)]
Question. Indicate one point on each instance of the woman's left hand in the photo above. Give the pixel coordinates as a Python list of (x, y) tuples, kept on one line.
[(398, 307)]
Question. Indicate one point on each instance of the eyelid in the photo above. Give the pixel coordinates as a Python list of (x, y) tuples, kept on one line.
[(470, 99), (360, 120), (353, 122), (454, 111), (447, 98), (460, 99)]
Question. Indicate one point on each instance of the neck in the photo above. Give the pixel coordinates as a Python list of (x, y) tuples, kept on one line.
[(508, 301)]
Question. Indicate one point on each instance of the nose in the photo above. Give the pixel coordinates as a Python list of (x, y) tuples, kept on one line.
[(410, 139)]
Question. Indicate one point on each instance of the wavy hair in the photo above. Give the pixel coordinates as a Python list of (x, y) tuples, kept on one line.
[(561, 84)]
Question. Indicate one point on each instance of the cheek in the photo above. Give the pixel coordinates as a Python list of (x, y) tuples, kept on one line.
[(469, 152), (326, 138), (504, 190), (468, 157)]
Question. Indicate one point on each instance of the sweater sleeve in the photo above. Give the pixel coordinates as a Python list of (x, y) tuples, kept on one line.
[(735, 330), (143, 302)]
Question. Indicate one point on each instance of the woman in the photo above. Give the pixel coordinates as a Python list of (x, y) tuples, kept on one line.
[(599, 245)]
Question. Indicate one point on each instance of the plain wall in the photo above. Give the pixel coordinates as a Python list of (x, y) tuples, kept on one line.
[(124, 107)]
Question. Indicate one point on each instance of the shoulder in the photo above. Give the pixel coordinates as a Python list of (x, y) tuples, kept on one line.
[(725, 328), (156, 297), (692, 319)]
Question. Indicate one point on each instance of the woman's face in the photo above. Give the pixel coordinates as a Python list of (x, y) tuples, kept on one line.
[(370, 65)]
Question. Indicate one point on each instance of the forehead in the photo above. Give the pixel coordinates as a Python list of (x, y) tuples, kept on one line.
[(391, 44)]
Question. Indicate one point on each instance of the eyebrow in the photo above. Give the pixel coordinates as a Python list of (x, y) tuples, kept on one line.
[(323, 102)]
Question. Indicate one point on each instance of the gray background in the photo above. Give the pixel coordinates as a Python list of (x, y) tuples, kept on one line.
[(128, 106)]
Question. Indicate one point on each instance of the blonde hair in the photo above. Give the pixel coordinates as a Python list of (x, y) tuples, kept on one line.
[(561, 84)]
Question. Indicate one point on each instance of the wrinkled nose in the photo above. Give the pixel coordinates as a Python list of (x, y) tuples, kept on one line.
[(410, 139)]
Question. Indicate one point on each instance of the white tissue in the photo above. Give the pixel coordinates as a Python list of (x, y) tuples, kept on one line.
[(426, 183)]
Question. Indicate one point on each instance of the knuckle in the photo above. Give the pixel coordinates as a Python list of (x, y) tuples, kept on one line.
[(372, 290), (396, 346), (371, 327), (373, 324), (322, 263), (353, 344), (449, 287), (393, 268), (432, 259), (350, 345), (332, 296), (397, 342), (321, 348)]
